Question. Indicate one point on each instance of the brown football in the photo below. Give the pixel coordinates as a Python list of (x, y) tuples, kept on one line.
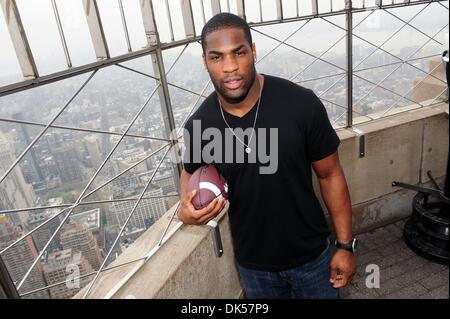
[(209, 184)]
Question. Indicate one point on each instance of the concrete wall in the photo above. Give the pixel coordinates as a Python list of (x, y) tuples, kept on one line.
[(401, 147)]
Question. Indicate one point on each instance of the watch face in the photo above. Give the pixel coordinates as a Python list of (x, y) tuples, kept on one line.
[(354, 244)]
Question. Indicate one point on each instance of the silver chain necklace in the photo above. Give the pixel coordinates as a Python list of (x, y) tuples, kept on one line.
[(247, 147)]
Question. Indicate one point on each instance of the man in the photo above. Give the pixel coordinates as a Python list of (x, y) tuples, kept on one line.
[(280, 235)]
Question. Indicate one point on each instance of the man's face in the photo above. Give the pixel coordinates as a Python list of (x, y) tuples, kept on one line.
[(230, 61)]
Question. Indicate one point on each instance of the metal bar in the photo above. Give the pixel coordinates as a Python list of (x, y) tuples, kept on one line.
[(172, 37), (390, 73), (228, 5), (19, 39), (438, 96), (421, 189), (387, 89), (349, 53), (344, 107), (20, 86), (332, 46), (283, 41), (384, 88), (260, 10), (46, 128), (315, 7), (331, 5), (170, 84), (96, 29), (159, 71), (78, 200), (124, 171), (440, 3), (192, 109), (418, 30), (79, 277), (188, 18), (279, 5), (398, 62), (133, 271), (61, 33), (380, 48), (297, 8), (240, 5), (321, 78), (390, 37), (105, 201), (215, 7), (164, 94), (297, 49), (166, 107), (124, 25), (58, 76), (414, 86), (125, 224), (435, 183), (160, 242), (70, 128), (149, 23)]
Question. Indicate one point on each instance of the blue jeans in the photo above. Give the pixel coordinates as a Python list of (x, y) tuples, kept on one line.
[(308, 281)]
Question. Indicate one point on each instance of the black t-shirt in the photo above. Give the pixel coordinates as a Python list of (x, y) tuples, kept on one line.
[(276, 220)]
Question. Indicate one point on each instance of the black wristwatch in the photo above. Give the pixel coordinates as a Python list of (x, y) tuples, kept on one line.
[(351, 246)]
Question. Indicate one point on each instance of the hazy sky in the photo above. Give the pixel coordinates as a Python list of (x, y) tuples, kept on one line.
[(41, 29)]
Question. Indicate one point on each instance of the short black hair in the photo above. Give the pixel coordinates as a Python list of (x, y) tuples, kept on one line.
[(225, 20)]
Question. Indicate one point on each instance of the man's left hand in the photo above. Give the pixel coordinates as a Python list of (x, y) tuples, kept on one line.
[(342, 268)]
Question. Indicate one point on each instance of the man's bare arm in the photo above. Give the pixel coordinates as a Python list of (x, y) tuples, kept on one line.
[(335, 194)]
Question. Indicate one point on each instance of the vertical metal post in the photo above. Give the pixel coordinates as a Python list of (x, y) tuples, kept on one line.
[(188, 18), (279, 5), (315, 7), (124, 24), (61, 33), (96, 29), (7, 288), (169, 18), (240, 5), (349, 52), (19, 39), (163, 90)]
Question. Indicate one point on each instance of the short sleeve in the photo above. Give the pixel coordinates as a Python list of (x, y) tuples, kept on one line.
[(321, 138), (189, 158)]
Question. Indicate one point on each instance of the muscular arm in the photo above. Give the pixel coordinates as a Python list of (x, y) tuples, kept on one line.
[(334, 190)]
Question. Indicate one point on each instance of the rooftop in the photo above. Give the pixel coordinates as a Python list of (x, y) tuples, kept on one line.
[(404, 274)]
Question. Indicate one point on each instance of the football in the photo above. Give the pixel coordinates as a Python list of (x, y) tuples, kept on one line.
[(209, 184)]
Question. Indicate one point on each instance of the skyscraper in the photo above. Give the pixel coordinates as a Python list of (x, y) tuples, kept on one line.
[(147, 212), (14, 191), (77, 236), (20, 257), (26, 139), (66, 267)]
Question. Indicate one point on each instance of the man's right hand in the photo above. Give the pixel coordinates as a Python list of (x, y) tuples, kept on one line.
[(189, 215)]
